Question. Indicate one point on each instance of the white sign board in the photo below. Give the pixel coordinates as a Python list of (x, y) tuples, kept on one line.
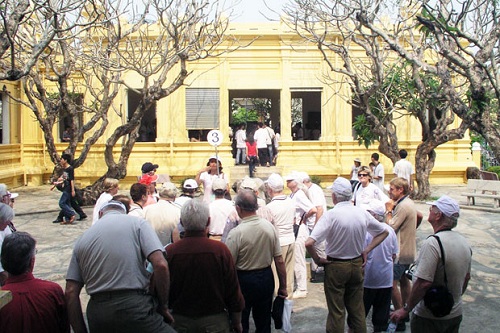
[(214, 137)]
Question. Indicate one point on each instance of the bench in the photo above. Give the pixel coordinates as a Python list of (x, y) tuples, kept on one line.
[(476, 188)]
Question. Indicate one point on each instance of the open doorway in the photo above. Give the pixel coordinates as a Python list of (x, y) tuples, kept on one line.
[(306, 114)]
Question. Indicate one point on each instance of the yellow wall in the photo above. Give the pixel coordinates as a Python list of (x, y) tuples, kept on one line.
[(269, 63)]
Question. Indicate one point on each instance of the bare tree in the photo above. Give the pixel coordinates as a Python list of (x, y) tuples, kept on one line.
[(462, 38), (28, 27), (159, 52), (350, 31)]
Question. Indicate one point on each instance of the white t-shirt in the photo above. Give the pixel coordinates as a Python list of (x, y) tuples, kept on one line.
[(283, 211), (317, 198), (379, 271), (241, 136), (302, 204), (221, 210), (103, 198), (363, 195), (404, 169), (260, 138), (207, 180), (379, 172)]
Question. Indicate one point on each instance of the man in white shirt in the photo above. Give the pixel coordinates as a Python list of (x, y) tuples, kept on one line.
[(260, 136), (221, 210), (378, 172), (241, 137), (403, 168), (304, 209)]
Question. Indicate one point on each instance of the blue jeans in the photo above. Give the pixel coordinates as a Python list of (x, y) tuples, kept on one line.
[(271, 155), (241, 157), (252, 162), (257, 288), (65, 205)]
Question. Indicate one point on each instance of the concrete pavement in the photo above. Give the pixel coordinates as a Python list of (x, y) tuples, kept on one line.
[(36, 207)]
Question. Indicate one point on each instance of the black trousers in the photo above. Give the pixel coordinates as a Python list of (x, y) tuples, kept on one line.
[(263, 156), (380, 300), (257, 288)]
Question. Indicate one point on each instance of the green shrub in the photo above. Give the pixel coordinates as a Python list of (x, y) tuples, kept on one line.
[(316, 179), (495, 169)]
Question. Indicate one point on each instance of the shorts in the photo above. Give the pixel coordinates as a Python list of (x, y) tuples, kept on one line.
[(399, 271)]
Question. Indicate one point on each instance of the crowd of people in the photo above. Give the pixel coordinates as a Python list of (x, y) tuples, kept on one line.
[(157, 260)]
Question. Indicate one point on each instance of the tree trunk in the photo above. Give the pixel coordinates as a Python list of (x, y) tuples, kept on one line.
[(425, 158)]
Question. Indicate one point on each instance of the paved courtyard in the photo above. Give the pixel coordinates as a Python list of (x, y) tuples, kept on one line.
[(36, 207)]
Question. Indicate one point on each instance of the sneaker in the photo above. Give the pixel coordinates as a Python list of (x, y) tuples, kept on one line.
[(82, 217), (267, 164), (300, 294), (58, 220)]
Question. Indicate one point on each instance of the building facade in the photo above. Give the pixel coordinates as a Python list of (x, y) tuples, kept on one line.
[(276, 66)]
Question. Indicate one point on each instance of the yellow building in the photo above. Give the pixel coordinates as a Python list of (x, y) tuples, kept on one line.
[(269, 68)]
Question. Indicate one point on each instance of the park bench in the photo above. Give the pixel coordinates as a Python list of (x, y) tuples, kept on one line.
[(480, 188)]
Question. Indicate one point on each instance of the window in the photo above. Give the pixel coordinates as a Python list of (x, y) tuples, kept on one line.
[(147, 130), (202, 112), (66, 119)]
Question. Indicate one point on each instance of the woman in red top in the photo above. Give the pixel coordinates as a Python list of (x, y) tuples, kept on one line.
[(252, 158)]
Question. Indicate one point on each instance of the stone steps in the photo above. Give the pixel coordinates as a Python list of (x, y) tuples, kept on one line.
[(239, 172)]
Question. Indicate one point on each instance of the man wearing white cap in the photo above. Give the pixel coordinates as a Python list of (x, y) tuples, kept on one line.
[(344, 228), (317, 198), (189, 188), (448, 265), (6, 197), (283, 218), (304, 209), (221, 210)]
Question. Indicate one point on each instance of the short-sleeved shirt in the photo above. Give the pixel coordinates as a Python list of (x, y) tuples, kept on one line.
[(163, 217), (317, 198), (69, 176), (404, 169), (111, 255), (283, 213), (207, 180), (221, 210), (458, 258), (404, 223), (36, 306), (240, 137), (344, 228), (379, 264), (379, 172), (253, 244), (364, 195), (260, 136), (302, 204)]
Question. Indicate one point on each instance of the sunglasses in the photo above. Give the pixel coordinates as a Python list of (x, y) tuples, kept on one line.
[(362, 175)]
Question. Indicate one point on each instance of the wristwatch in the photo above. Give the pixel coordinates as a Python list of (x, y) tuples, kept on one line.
[(388, 212), (406, 308)]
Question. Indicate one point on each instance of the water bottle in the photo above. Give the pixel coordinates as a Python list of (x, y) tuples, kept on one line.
[(392, 327)]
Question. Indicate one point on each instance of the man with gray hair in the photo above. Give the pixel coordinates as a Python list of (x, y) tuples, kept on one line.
[(344, 228), (254, 244), (205, 292), (444, 260), (165, 214), (6, 228), (283, 217), (110, 260), (37, 305), (317, 198)]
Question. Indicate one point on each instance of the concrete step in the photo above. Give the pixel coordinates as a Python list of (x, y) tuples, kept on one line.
[(239, 172)]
